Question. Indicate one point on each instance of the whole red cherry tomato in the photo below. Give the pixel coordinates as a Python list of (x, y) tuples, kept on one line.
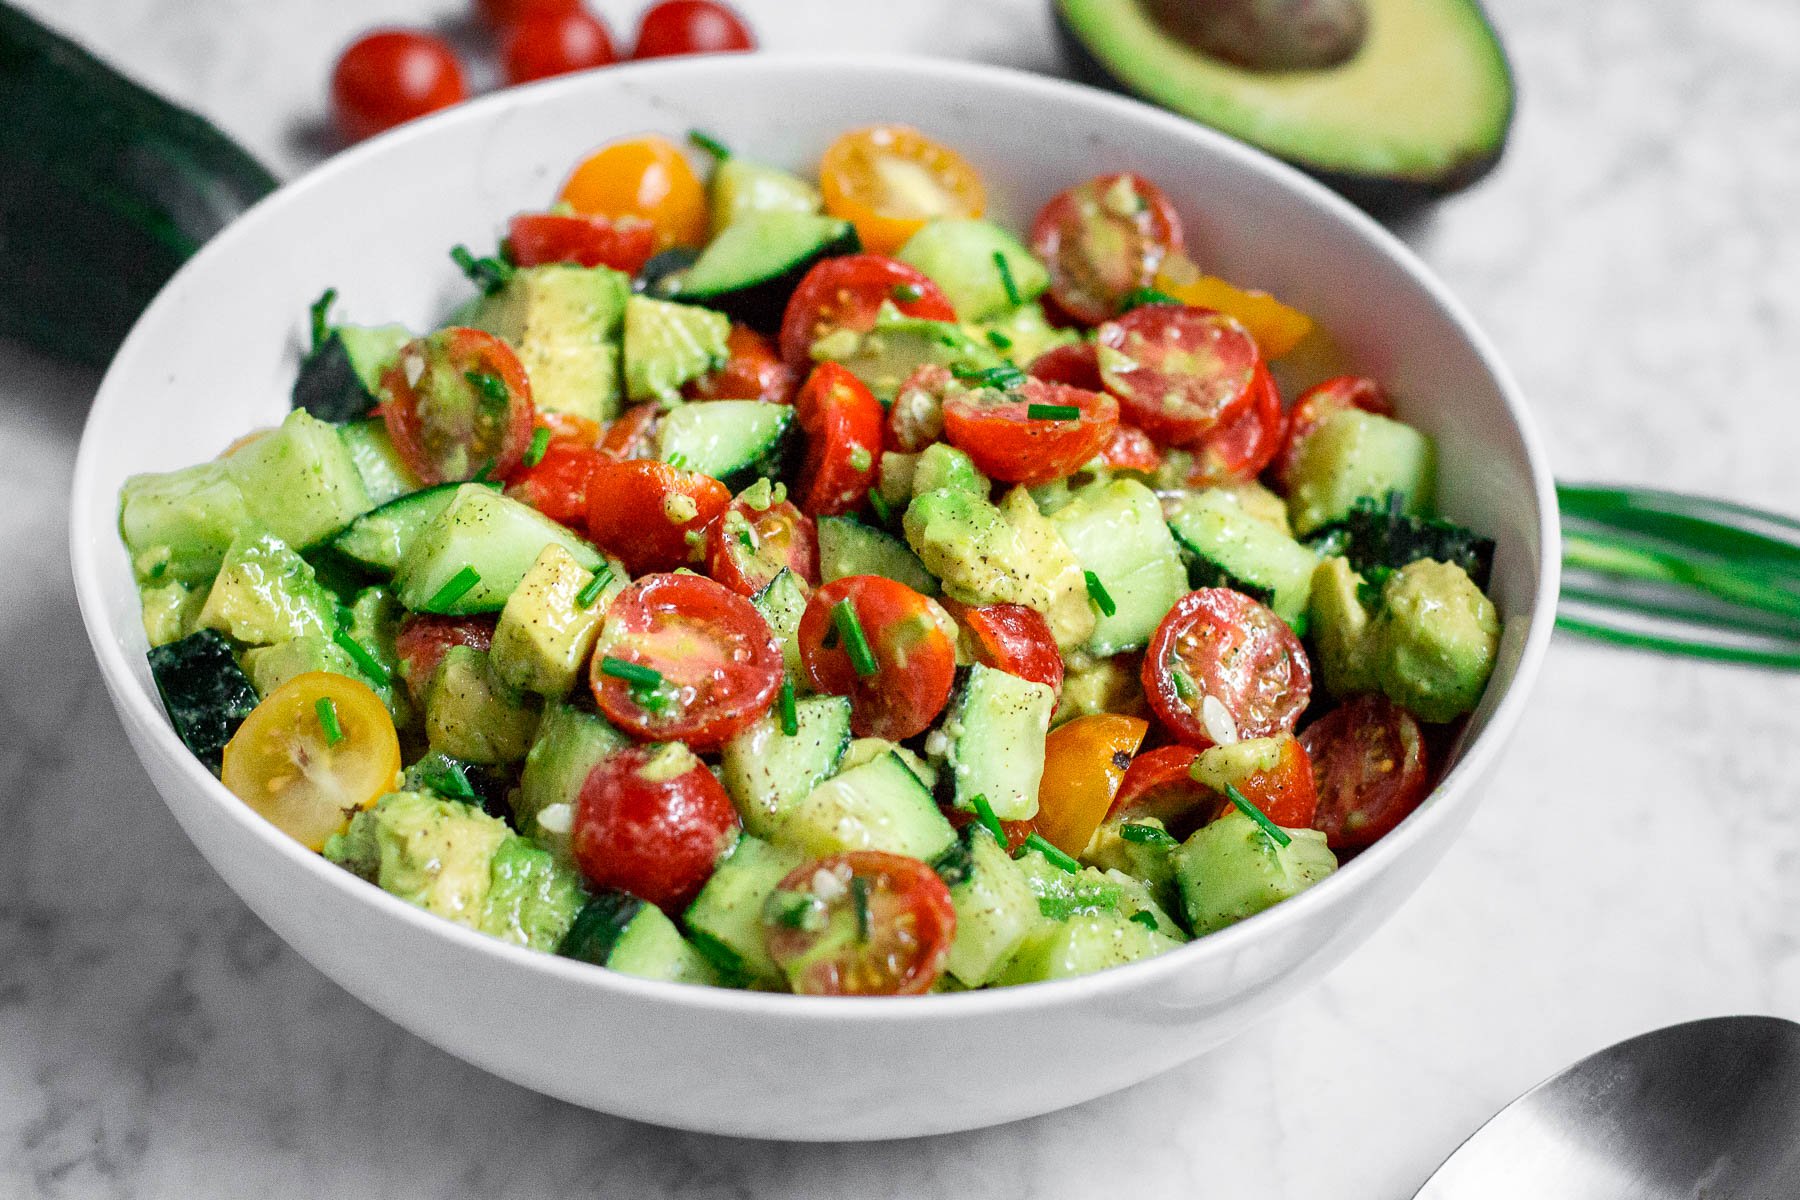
[(690, 27), (546, 44), (390, 76)]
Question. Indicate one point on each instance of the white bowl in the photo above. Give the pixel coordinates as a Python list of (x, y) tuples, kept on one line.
[(215, 355)]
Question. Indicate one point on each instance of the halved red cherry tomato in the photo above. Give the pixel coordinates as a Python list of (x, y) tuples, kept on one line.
[(690, 27), (1159, 784), (568, 427), (1285, 792), (1320, 401), (458, 405), (753, 371), (916, 417), (547, 44), (1222, 644), (1369, 762), (390, 76), (558, 484), (715, 664), (866, 923), (1075, 364), (642, 512), (646, 177), (424, 638), (1026, 436), (841, 421), (889, 180), (652, 821), (1179, 373), (1241, 449), (1103, 240), (1130, 449), (1085, 764), (633, 433), (1016, 831), (1011, 638), (912, 655), (623, 243), (846, 293), (750, 546)]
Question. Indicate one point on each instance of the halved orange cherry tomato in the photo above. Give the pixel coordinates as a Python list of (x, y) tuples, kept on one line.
[(681, 658), (1130, 449), (749, 546), (1011, 638), (642, 512), (315, 751), (1103, 240), (1085, 762), (847, 293), (652, 821), (1276, 327), (752, 371), (1076, 364), (1241, 448), (1179, 373), (424, 638), (1220, 644), (645, 177), (841, 421), (889, 180), (1159, 783), (457, 405), (1041, 432), (632, 434), (1320, 401), (866, 923), (623, 243), (1369, 762), (906, 678)]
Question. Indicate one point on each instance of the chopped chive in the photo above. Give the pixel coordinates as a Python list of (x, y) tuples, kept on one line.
[(884, 512), (365, 662), (326, 707), (1053, 412), (540, 442), (710, 144), (678, 460), (321, 317), (1146, 295), (1275, 832), (790, 717), (635, 674), (906, 293), (1145, 919), (984, 812), (481, 476), (859, 899), (454, 589), (1146, 835), (493, 389), (1184, 687), (1099, 595), (747, 540), (856, 642), (1006, 279), (1055, 857), (998, 340), (590, 591), (489, 274), (1006, 377)]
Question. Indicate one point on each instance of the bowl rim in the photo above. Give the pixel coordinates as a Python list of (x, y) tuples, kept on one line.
[(1452, 792)]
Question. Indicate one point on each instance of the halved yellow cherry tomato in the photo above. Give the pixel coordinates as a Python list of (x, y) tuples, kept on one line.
[(1083, 764), (888, 180), (1277, 327), (317, 749), (645, 177)]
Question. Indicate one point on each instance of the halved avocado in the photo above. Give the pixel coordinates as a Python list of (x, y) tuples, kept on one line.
[(1420, 109)]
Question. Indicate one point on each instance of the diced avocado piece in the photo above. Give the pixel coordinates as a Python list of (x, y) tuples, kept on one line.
[(1354, 455), (494, 537), (546, 632), (1436, 639), (1235, 762), (1338, 624), (1152, 863), (179, 524), (894, 481), (204, 691), (266, 593), (1082, 945), (767, 770), (1138, 903), (995, 906), (1023, 334), (1231, 868), (993, 737), (1213, 528), (848, 547), (570, 743), (271, 666), (667, 344), (468, 715), (564, 321), (384, 474), (1389, 124), (171, 612), (623, 934), (942, 465), (898, 345), (782, 603), (434, 853), (725, 920), (880, 805), (1117, 532), (962, 255), (741, 188), (532, 896), (299, 481), (1100, 685)]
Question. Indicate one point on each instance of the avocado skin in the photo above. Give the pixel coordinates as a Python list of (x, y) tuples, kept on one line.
[(1381, 195)]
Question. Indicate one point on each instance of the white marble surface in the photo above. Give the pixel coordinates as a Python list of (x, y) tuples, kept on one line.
[(1638, 862)]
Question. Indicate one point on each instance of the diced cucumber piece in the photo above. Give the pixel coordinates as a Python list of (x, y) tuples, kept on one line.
[(380, 538), (266, 593), (1081, 946), (205, 693), (470, 716), (782, 603), (767, 770), (299, 481), (1213, 530), (624, 934), (1116, 529), (880, 805), (740, 189), (993, 736), (570, 743), (546, 632), (483, 532), (734, 441), (179, 524), (961, 255), (1231, 869), (1354, 455), (564, 321), (340, 379), (385, 476), (1338, 628), (726, 919), (1063, 894), (667, 344), (995, 906), (752, 267), (848, 547)]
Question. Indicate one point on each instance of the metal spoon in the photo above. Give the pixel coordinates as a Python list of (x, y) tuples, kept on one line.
[(1709, 1110)]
